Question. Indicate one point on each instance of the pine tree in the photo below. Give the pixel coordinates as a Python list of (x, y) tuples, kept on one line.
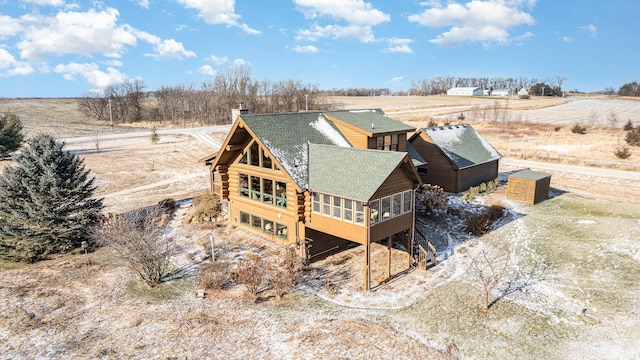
[(11, 137), (46, 203)]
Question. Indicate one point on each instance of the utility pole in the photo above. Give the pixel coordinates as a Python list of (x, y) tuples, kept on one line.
[(110, 115), (306, 102)]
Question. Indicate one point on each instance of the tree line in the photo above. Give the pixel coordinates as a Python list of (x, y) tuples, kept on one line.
[(210, 103), (440, 84)]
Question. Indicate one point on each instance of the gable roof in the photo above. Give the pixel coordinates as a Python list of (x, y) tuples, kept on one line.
[(286, 135), (462, 145), (366, 170), (369, 121), (415, 156)]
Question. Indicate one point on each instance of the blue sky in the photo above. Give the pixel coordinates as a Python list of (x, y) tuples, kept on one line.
[(68, 48)]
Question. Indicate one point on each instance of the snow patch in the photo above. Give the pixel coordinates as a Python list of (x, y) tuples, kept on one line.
[(323, 126), (587, 222)]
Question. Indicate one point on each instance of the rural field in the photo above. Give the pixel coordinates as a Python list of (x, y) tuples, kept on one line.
[(584, 306)]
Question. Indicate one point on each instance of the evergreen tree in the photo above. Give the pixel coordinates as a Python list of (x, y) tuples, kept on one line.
[(46, 203), (11, 137)]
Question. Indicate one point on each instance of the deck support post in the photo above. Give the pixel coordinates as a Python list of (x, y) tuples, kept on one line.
[(389, 257)]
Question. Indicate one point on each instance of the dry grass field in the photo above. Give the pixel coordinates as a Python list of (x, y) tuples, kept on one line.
[(90, 306)]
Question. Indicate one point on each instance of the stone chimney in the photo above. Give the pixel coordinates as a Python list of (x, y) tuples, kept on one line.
[(237, 112)]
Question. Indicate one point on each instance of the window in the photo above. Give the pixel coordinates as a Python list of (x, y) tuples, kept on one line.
[(396, 204), (244, 185), (407, 198), (385, 208), (337, 207), (254, 154), (388, 142), (267, 191), (268, 227), (255, 187), (359, 218), (256, 222), (315, 199), (348, 210), (245, 218), (374, 209), (326, 204), (281, 194), (244, 158), (281, 231), (266, 161)]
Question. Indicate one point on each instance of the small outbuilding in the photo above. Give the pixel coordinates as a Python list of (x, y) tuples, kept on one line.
[(528, 186)]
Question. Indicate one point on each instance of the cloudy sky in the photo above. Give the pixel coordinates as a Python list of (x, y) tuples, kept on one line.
[(68, 48)]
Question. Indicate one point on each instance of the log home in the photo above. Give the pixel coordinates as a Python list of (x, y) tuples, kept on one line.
[(320, 180), (458, 157)]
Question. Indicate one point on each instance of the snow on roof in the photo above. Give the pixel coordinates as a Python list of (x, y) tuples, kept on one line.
[(322, 126), (463, 145)]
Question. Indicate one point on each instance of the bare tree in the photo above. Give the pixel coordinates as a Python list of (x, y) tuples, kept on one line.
[(495, 268), (137, 237)]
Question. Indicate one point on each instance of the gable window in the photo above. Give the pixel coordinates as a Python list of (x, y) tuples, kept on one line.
[(348, 210), (374, 209), (254, 154), (337, 207), (406, 204), (385, 208), (266, 161), (396, 206)]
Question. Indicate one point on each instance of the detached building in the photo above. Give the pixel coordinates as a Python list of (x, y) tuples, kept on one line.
[(465, 91), (457, 156)]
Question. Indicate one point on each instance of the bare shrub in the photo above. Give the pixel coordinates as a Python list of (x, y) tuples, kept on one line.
[(479, 224), (431, 200), (432, 123), (612, 118), (633, 136), (137, 238), (628, 126), (622, 152), (213, 276), (577, 129), (249, 272), (283, 274), (205, 208), (557, 128)]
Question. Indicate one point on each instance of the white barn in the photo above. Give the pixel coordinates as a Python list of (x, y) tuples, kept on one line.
[(465, 91), (501, 92)]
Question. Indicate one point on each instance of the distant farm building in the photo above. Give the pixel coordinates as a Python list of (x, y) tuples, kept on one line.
[(528, 186), (501, 92), (457, 156), (465, 91)]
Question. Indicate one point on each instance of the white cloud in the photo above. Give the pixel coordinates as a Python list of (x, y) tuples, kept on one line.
[(217, 59), (9, 26), (9, 66), (171, 49), (566, 39), (485, 21), (305, 49), (207, 70), (143, 3), (591, 29), (92, 74), (396, 45), (218, 12), (239, 62), (396, 80), (82, 33), (44, 2), (359, 18)]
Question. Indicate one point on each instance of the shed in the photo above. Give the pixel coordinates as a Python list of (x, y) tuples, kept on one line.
[(528, 186)]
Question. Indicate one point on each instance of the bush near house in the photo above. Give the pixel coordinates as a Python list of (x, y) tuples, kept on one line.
[(633, 136), (578, 129)]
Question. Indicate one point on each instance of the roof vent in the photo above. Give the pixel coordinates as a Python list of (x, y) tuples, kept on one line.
[(373, 127)]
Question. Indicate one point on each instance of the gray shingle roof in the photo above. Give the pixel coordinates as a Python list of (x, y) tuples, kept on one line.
[(286, 137), (415, 156), (364, 119), (463, 145), (530, 175), (357, 175)]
